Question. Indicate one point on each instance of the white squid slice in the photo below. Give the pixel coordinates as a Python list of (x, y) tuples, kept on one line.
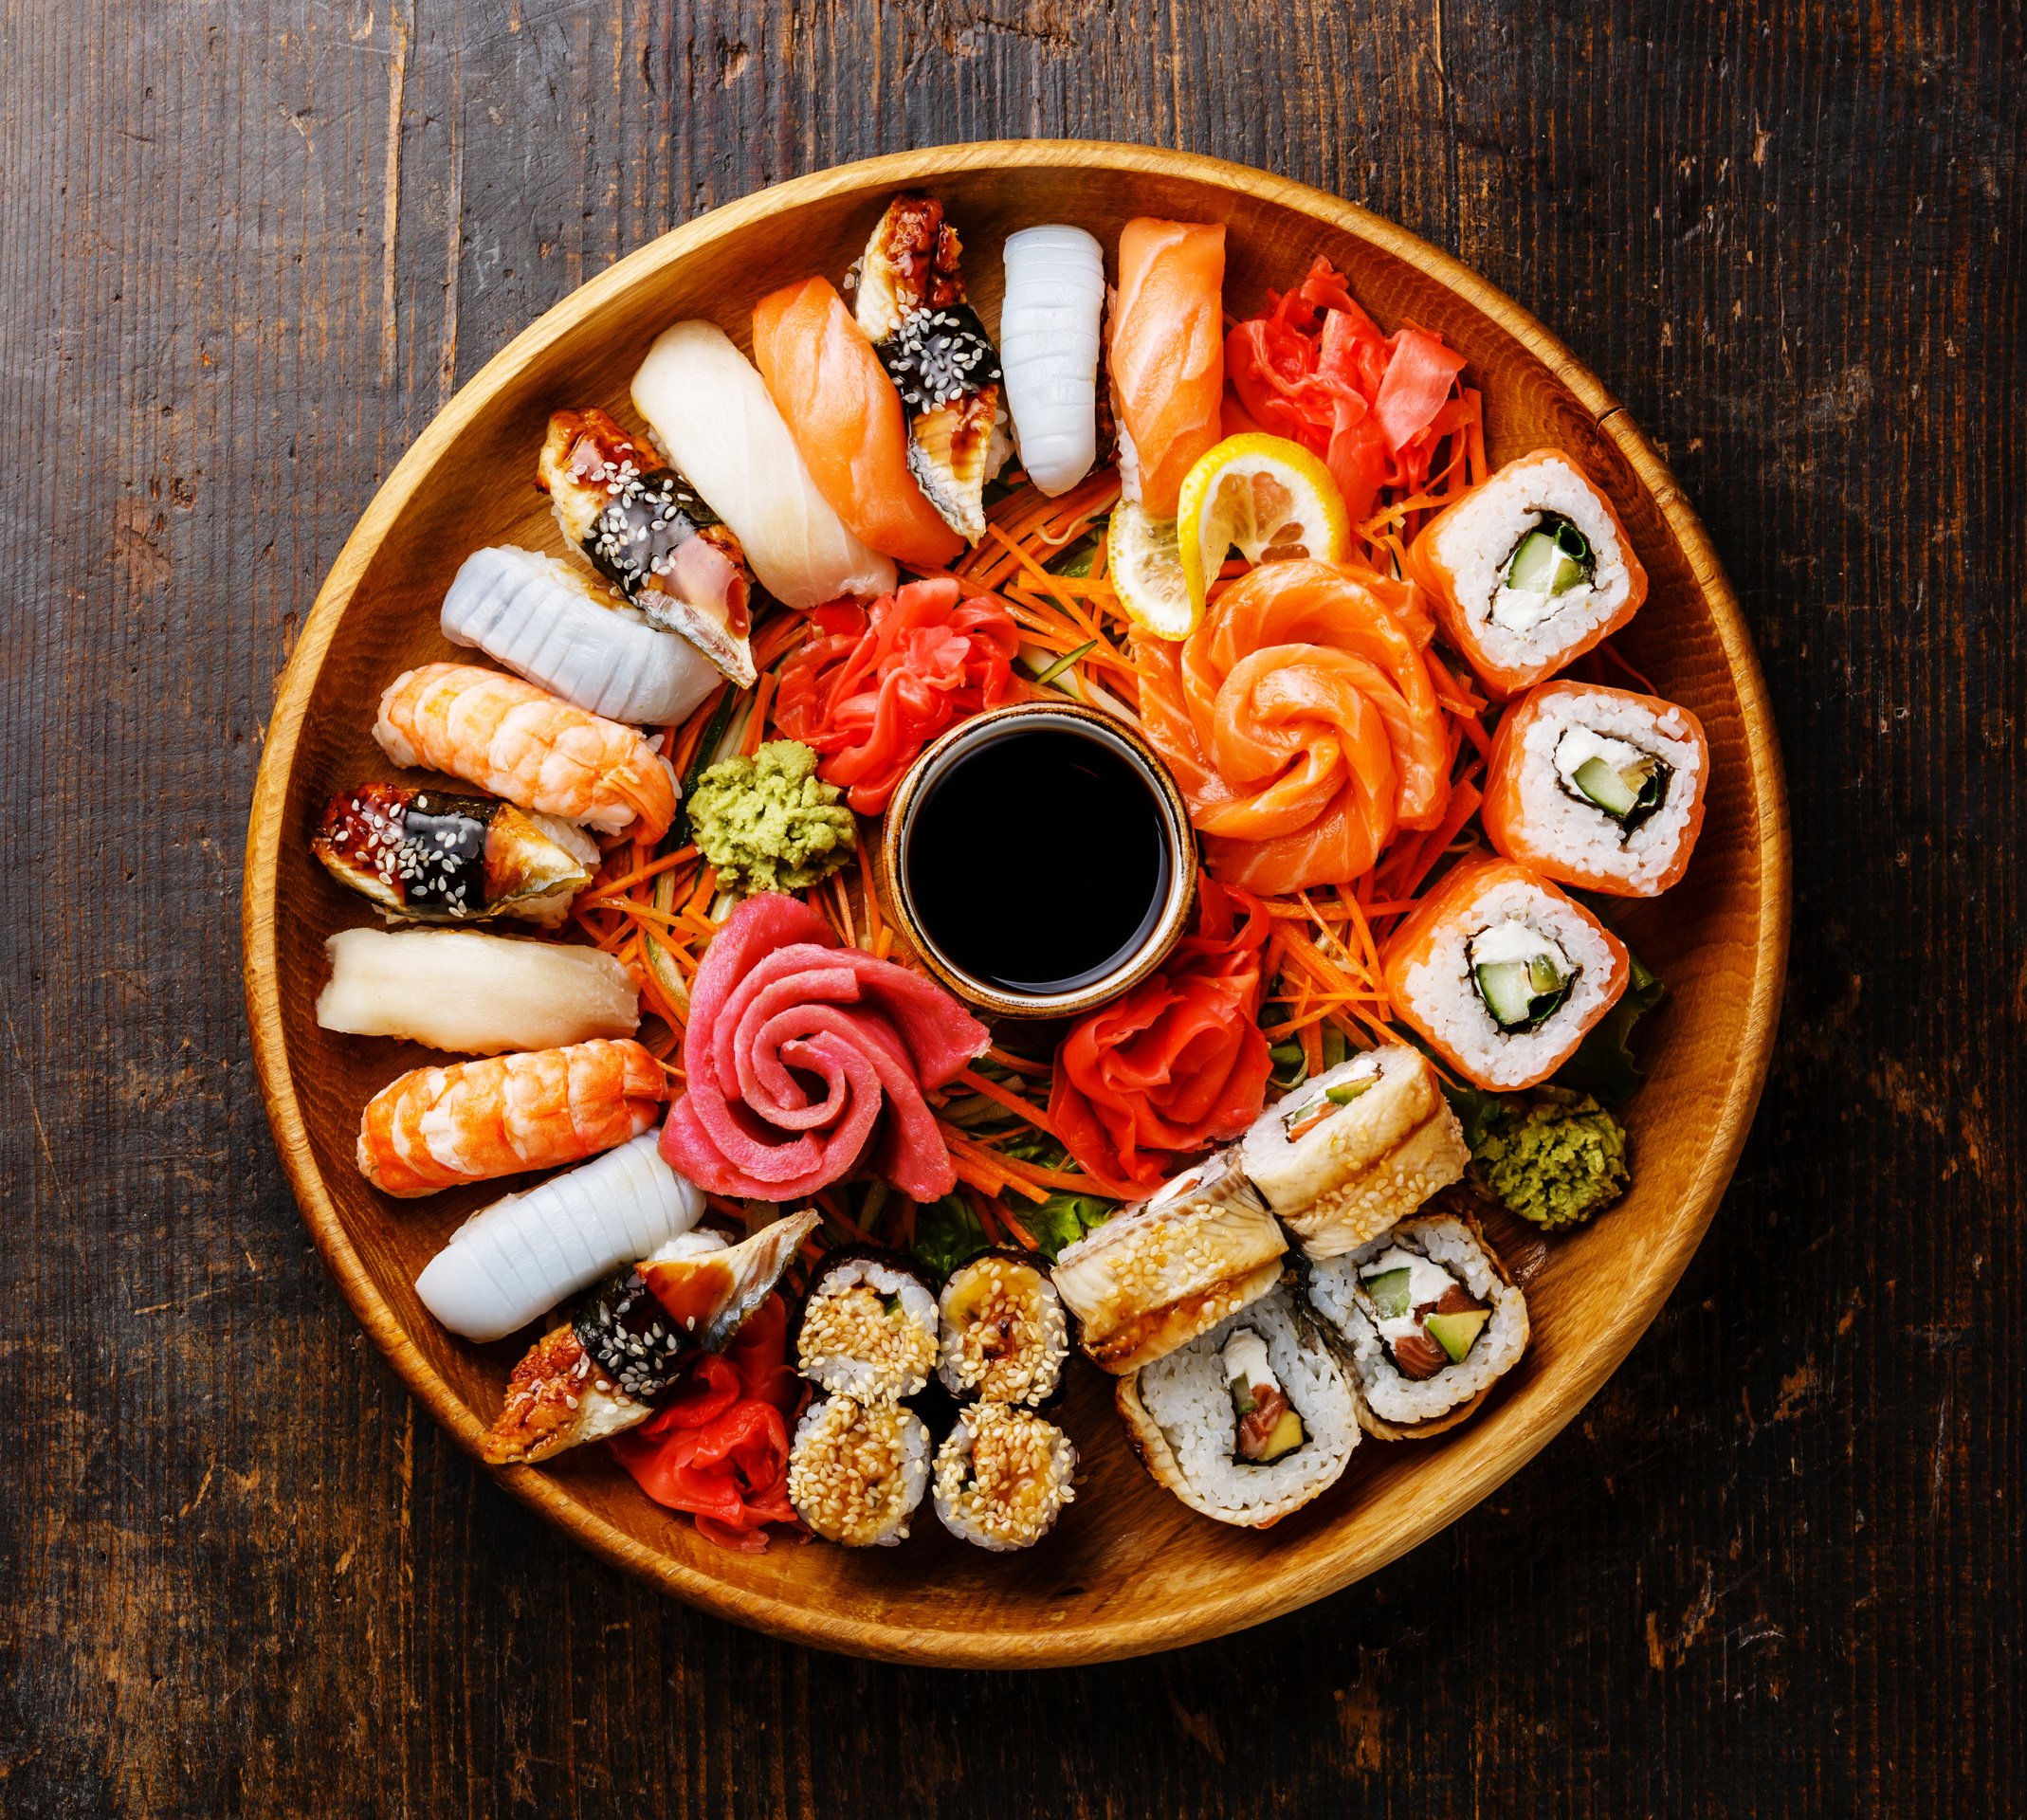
[(1048, 348)]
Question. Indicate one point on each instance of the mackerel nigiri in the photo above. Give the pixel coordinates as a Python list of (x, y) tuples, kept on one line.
[(1167, 355), (848, 420), (1049, 343), (712, 417)]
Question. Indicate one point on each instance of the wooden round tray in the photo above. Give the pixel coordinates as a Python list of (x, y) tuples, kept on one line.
[(1129, 1570)]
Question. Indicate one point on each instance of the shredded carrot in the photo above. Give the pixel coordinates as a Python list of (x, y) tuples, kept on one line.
[(1022, 1109), (1019, 1064), (756, 721)]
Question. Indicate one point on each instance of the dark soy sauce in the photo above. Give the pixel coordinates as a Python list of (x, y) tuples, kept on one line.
[(1039, 861)]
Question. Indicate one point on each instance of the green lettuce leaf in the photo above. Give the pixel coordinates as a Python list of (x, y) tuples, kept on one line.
[(946, 1234), (1603, 1064)]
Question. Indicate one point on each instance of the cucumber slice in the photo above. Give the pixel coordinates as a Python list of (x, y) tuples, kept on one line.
[(1520, 993), (1346, 1091), (1456, 1333), (1388, 1291), (1552, 558), (1606, 785)]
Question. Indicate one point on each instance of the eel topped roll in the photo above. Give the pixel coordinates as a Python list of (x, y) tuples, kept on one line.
[(1502, 973), (1430, 1321), (1003, 1475), (1348, 1153), (857, 1471), (1599, 787), (1249, 1421), (868, 1326), (1154, 1277), (1528, 570), (1004, 1334)]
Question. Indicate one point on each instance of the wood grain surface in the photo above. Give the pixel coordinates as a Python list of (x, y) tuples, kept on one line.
[(248, 250)]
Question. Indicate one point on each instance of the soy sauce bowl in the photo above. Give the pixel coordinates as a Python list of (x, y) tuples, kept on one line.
[(1012, 868)]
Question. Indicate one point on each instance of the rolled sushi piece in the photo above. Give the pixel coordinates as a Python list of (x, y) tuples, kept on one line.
[(454, 989), (427, 856), (544, 621), (1050, 341), (518, 1257), (1154, 1277), (1528, 571), (1355, 1150), (857, 1470), (910, 305), (651, 534), (1597, 788), (868, 1327), (1002, 1477), (710, 414), (1004, 1335), (1502, 973), (1429, 1319), (1249, 1421)]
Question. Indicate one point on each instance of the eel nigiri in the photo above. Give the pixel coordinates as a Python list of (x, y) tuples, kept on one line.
[(600, 1373), (911, 307), (848, 420), (1050, 340), (425, 856), (453, 989), (520, 1256), (1167, 355), (711, 415), (648, 530), (544, 621)]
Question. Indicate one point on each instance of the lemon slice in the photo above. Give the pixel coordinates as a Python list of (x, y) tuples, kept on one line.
[(1267, 495), (1142, 562)]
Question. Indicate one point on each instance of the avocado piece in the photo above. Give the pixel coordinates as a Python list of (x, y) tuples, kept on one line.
[(1286, 1438), (1346, 1091), (1455, 1333), (1388, 1291)]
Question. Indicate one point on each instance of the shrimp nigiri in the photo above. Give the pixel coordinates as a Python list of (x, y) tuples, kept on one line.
[(1167, 355), (520, 742), (847, 420), (433, 1128)]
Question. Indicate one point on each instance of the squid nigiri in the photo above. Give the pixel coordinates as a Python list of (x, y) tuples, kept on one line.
[(1049, 343), (648, 533), (848, 420), (711, 415), (544, 621), (433, 1128), (911, 307), (1167, 355), (516, 741)]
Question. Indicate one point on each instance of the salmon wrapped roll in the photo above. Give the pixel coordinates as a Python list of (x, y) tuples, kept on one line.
[(520, 742), (1502, 973), (1528, 571), (847, 420), (1597, 788), (433, 1128), (1166, 356)]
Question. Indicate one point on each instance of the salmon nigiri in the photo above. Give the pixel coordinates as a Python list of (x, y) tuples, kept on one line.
[(1167, 355), (847, 420)]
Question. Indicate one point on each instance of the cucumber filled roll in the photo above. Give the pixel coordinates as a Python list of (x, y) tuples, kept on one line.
[(1597, 788), (1348, 1153), (1002, 1477), (868, 1327), (1152, 1278), (1429, 1321), (1502, 973), (1248, 1422), (856, 1471), (1004, 1333), (1528, 571)]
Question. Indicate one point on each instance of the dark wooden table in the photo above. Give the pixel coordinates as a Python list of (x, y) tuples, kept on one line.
[(246, 250)]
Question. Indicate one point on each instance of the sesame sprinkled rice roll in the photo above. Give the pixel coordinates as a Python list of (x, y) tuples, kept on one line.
[(857, 1471), (1003, 1475), (868, 1326), (1004, 1333)]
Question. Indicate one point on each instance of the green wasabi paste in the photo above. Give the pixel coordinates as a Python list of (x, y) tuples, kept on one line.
[(768, 823), (1556, 1158)]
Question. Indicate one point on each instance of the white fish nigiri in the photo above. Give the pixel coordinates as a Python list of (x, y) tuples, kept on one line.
[(476, 994), (711, 415), (1048, 348), (544, 621), (517, 1258)]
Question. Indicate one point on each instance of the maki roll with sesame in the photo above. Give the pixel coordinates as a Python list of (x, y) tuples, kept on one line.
[(1004, 1335), (427, 856), (1249, 1421), (868, 1328), (1428, 1322), (1002, 1477), (1349, 1152), (910, 305), (649, 531), (1154, 1277), (857, 1470)]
